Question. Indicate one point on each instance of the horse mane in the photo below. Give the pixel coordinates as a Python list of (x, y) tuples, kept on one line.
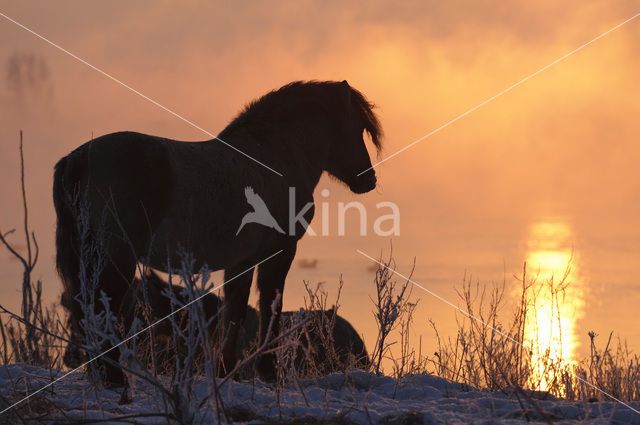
[(371, 122), (297, 93)]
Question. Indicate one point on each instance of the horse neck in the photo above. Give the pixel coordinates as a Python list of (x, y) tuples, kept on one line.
[(301, 150), (308, 157)]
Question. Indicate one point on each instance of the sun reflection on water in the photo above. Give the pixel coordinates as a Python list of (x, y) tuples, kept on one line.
[(557, 297)]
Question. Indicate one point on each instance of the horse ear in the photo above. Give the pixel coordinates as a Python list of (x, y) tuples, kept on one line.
[(347, 87)]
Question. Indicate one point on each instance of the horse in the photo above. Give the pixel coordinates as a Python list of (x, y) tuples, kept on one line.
[(147, 199), (329, 343)]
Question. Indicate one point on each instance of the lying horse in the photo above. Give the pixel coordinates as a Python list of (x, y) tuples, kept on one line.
[(141, 198), (347, 348)]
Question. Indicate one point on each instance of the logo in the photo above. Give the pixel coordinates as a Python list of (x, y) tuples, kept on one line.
[(260, 213), (384, 224)]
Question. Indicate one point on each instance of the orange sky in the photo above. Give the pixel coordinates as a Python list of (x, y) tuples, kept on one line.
[(565, 142)]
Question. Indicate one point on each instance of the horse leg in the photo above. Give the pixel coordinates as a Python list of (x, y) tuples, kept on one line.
[(236, 297), (114, 281), (73, 355), (271, 278)]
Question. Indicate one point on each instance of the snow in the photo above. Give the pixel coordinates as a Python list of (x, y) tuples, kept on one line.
[(357, 397)]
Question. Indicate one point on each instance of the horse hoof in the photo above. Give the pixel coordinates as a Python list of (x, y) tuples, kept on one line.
[(267, 368), (125, 398), (114, 377), (72, 358), (269, 377)]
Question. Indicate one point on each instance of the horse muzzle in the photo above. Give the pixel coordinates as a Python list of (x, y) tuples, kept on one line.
[(364, 183)]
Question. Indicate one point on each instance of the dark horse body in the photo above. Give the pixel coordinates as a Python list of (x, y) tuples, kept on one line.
[(149, 198)]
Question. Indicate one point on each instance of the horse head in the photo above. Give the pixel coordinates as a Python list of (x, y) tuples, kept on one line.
[(349, 160)]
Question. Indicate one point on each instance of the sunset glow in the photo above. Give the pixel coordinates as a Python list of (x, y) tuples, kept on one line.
[(556, 298)]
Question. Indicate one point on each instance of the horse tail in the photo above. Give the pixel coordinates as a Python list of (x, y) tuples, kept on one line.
[(65, 234), (65, 185)]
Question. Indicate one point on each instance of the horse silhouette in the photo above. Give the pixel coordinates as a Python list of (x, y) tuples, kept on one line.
[(142, 198), (346, 348)]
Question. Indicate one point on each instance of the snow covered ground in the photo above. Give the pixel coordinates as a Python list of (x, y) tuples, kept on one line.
[(358, 397)]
